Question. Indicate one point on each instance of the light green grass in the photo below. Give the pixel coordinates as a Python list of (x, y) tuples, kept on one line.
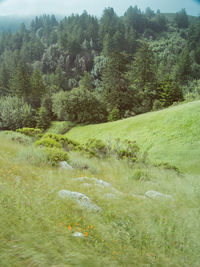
[(170, 135), (129, 231), (59, 127)]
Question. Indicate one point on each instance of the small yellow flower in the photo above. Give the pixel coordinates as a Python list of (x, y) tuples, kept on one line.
[(86, 234), (69, 227)]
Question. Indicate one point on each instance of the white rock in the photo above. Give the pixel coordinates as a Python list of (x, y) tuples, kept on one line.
[(80, 198), (78, 234), (98, 182), (157, 195), (65, 165)]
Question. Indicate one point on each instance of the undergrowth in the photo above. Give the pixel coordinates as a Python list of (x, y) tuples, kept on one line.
[(37, 226)]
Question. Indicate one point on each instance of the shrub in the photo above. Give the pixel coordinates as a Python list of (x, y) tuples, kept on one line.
[(32, 132), (95, 147), (48, 142), (79, 105), (55, 155), (114, 115), (43, 118), (157, 104), (15, 113), (126, 150), (67, 143)]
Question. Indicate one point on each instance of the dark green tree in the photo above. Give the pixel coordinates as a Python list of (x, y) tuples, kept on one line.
[(142, 81)]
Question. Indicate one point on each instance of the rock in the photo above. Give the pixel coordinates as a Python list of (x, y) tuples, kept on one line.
[(98, 182), (81, 199), (78, 234), (65, 165), (157, 195)]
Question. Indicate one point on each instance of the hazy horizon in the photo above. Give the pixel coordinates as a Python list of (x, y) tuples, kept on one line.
[(60, 7)]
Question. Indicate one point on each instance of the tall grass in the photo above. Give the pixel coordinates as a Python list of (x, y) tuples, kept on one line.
[(36, 226), (170, 135)]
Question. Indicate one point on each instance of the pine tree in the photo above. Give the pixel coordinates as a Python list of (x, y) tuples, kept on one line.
[(37, 88), (19, 84), (141, 77)]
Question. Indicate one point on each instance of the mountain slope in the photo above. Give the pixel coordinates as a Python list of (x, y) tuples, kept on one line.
[(170, 135)]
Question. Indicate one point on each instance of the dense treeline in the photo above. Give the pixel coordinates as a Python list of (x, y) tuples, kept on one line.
[(91, 70)]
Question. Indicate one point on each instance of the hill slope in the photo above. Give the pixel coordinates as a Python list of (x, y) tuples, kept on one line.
[(170, 135)]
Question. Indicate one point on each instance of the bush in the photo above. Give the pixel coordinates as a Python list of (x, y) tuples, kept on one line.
[(126, 150), (48, 142), (41, 156), (15, 113), (79, 105), (43, 118), (67, 143), (96, 148), (55, 155), (114, 115), (157, 104), (32, 132)]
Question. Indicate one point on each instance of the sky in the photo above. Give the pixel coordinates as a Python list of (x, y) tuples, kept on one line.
[(67, 7)]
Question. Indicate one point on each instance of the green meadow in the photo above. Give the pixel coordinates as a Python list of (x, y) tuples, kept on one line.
[(170, 135), (37, 226)]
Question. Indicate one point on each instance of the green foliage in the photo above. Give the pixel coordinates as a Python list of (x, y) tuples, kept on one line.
[(15, 113), (32, 132), (19, 84), (48, 142), (157, 104), (60, 127), (114, 84), (169, 92), (78, 105), (126, 149), (114, 115), (95, 147), (86, 83), (43, 118), (55, 155), (142, 80), (57, 140), (181, 19), (37, 87)]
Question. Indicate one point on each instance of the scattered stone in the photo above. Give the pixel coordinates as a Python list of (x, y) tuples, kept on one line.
[(98, 182), (78, 234), (157, 195), (65, 165), (80, 198)]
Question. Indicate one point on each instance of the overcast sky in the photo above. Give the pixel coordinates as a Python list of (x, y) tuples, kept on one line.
[(66, 7)]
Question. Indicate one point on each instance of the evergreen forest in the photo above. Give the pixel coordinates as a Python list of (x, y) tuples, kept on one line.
[(86, 69)]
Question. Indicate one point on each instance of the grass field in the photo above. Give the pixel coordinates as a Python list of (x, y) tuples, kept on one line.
[(170, 135), (37, 226)]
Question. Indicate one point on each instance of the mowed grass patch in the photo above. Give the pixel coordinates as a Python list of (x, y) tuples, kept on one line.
[(170, 135), (37, 226)]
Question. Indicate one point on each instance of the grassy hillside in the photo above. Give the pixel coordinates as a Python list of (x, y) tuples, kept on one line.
[(37, 226), (170, 135)]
